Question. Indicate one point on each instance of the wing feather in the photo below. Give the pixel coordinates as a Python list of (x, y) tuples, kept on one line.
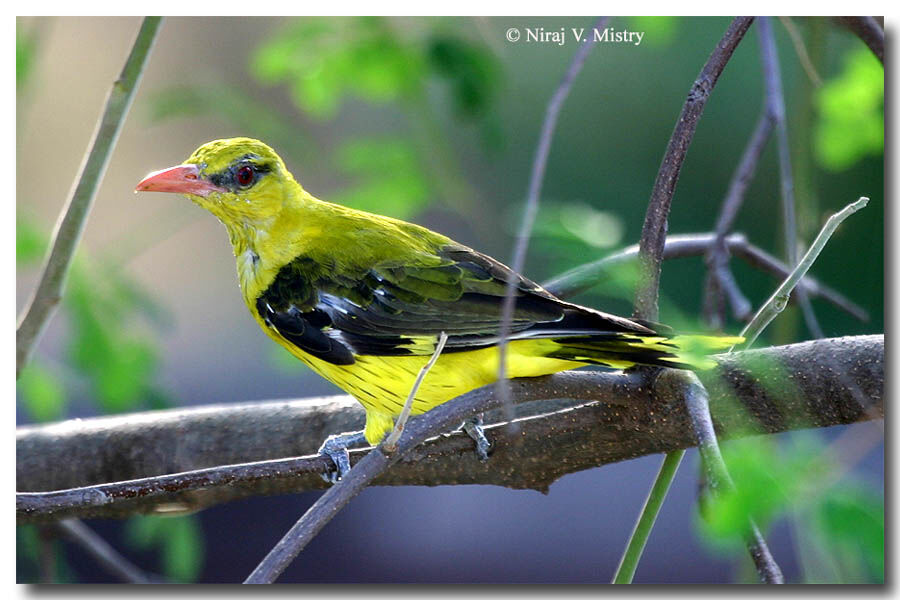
[(401, 309)]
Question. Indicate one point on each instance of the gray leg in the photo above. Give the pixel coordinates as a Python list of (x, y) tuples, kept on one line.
[(335, 448), (475, 431)]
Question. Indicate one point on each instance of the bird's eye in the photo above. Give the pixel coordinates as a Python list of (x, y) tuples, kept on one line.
[(244, 176)]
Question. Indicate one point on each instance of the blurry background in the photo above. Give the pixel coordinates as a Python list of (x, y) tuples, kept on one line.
[(436, 120)]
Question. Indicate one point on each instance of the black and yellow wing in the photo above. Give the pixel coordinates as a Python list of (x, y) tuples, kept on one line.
[(393, 309)]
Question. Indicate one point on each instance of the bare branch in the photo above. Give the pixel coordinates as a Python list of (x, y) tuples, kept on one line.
[(583, 277), (717, 257), (765, 261), (800, 49), (70, 225), (106, 555), (869, 31), (575, 421), (535, 183), (653, 235), (776, 303), (776, 108), (696, 399)]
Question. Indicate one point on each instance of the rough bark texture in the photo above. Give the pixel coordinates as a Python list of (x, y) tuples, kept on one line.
[(590, 419)]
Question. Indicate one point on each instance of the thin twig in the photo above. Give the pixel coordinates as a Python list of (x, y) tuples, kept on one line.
[(583, 277), (696, 399), (390, 444), (869, 31), (800, 49), (637, 541), (106, 555), (653, 234), (539, 166), (70, 225), (776, 303), (761, 259), (776, 108), (717, 257), (47, 550)]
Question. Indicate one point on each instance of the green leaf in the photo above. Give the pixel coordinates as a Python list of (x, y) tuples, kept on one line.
[(766, 482), (658, 31), (42, 394), (31, 243), (122, 381), (26, 47), (399, 195), (598, 228), (852, 520), (119, 363), (178, 539), (851, 113), (471, 70), (322, 62)]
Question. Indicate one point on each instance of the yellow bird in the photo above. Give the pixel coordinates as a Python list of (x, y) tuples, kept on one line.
[(362, 299)]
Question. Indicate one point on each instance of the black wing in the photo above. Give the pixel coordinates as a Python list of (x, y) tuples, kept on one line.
[(396, 309)]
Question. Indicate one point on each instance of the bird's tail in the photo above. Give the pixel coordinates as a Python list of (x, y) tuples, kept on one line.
[(623, 350)]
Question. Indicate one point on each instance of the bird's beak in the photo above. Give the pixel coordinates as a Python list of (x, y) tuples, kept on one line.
[(183, 179)]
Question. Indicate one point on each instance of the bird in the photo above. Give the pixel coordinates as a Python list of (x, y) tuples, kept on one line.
[(362, 299)]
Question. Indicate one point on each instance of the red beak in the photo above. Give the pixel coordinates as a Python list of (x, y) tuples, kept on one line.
[(183, 179)]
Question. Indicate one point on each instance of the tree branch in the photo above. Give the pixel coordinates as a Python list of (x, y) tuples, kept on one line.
[(95, 546), (583, 277), (70, 226), (717, 256), (776, 108), (535, 184), (868, 30), (653, 235), (779, 298), (696, 400), (573, 421)]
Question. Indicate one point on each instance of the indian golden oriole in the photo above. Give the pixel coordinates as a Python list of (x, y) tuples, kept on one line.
[(362, 299)]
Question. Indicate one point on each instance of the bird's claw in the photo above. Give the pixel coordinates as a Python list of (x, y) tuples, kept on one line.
[(335, 448), (473, 427)]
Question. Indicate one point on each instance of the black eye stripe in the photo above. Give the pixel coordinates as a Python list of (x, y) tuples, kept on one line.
[(233, 179)]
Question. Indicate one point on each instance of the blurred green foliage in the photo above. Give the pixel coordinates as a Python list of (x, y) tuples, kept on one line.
[(580, 222), (325, 63), (29, 548), (42, 393), (118, 362), (106, 349), (851, 112), (179, 541), (843, 524), (25, 52), (658, 31), (851, 522), (401, 195)]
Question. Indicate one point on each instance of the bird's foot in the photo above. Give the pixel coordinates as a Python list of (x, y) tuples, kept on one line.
[(475, 430), (335, 448)]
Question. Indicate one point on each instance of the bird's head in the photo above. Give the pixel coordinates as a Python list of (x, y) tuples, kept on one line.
[(240, 180)]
